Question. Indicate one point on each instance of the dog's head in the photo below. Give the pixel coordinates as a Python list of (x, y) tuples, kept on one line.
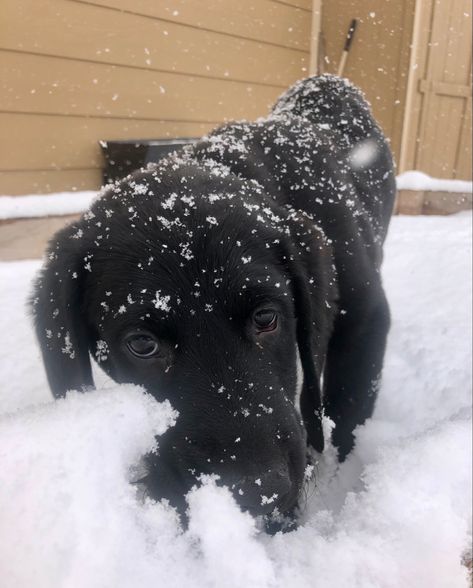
[(194, 285)]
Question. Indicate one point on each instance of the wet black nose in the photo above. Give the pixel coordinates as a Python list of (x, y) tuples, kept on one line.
[(261, 494)]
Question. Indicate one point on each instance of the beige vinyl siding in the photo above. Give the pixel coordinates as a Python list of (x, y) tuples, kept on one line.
[(93, 33), (61, 136), (44, 181), (303, 4), (262, 20), (55, 85), (75, 72)]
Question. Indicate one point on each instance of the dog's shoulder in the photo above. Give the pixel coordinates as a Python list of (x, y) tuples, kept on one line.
[(320, 151)]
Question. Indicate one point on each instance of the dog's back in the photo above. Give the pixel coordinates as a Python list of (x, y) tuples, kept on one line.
[(319, 151), (333, 104)]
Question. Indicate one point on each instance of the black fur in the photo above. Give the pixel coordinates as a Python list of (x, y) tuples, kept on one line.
[(287, 215)]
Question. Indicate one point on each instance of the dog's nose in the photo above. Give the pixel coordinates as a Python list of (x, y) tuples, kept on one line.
[(262, 494)]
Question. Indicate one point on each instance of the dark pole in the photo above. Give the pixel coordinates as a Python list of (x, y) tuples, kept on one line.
[(346, 48)]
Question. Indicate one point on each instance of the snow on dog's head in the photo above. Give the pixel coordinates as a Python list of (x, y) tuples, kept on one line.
[(207, 306)]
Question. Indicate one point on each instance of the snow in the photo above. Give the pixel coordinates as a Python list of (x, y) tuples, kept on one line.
[(396, 513), (58, 204), (63, 203), (416, 180)]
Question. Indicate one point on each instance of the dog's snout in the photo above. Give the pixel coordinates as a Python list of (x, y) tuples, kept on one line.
[(262, 494)]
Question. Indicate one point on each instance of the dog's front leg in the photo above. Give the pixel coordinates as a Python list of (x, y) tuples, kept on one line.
[(353, 368)]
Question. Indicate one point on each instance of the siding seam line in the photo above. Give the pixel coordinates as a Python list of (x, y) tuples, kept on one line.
[(114, 117), (291, 5), (143, 68), (205, 29)]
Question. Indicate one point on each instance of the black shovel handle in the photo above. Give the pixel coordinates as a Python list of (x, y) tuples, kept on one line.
[(350, 35)]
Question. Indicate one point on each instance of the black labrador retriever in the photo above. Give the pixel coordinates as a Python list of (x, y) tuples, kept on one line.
[(240, 279)]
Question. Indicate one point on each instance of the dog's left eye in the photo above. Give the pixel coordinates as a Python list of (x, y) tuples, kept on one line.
[(142, 346), (265, 320)]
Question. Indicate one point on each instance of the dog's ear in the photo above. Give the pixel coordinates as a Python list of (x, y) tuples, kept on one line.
[(309, 261), (56, 303)]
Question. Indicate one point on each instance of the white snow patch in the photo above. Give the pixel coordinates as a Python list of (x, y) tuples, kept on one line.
[(416, 180), (66, 504), (232, 554), (33, 206), (63, 203)]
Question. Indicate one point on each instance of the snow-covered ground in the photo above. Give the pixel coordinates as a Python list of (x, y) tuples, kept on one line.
[(396, 514)]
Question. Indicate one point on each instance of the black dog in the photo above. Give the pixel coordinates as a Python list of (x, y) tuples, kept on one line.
[(207, 277)]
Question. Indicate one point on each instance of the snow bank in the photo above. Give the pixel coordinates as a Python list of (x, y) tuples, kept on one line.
[(66, 505), (63, 203), (397, 513), (416, 180), (33, 206)]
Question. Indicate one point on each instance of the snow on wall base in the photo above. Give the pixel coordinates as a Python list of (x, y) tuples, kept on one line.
[(36, 206), (64, 203), (416, 180)]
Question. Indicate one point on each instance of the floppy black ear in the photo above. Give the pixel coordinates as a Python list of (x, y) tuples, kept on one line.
[(310, 266), (56, 304)]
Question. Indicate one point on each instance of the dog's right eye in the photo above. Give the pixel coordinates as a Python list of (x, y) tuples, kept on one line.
[(265, 320), (142, 346)]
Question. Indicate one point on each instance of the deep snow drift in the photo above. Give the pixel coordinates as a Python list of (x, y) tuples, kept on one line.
[(396, 514)]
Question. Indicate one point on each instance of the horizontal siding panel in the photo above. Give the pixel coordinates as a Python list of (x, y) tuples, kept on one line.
[(70, 29), (27, 238), (57, 139), (282, 23), (15, 183), (62, 86)]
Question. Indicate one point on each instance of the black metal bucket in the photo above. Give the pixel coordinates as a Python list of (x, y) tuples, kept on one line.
[(123, 157)]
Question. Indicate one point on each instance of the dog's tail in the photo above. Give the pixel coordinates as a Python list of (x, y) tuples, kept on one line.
[(330, 101)]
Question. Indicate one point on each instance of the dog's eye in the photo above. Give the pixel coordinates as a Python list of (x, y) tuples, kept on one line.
[(142, 346), (265, 320)]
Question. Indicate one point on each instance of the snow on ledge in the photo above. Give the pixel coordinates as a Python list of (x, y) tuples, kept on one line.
[(58, 204), (63, 203), (416, 180)]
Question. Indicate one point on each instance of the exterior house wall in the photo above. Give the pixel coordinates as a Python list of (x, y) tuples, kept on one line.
[(73, 73)]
